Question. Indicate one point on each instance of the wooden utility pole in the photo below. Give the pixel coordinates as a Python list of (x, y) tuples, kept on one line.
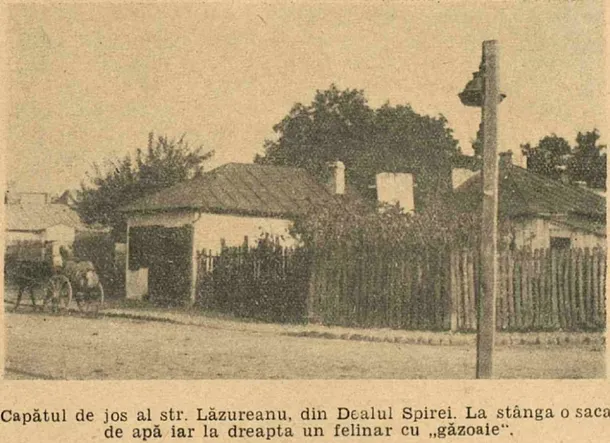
[(488, 258)]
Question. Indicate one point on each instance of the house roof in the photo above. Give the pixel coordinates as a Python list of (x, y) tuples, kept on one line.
[(595, 227), (523, 193), (66, 198), (242, 188), (38, 217)]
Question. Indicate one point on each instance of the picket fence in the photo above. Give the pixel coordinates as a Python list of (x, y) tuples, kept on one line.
[(431, 289)]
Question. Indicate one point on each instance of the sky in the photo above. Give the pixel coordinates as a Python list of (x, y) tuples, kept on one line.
[(87, 83)]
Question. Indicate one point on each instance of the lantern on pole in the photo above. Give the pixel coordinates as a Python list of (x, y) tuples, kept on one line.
[(474, 91), (472, 95)]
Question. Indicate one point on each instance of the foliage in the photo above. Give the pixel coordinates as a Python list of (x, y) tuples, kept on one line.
[(549, 157), (477, 143), (357, 224), (164, 163), (340, 125), (588, 161), (555, 158)]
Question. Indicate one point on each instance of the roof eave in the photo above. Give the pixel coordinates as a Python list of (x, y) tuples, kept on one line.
[(208, 210)]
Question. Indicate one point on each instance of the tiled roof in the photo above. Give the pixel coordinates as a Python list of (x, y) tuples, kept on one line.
[(242, 188), (523, 193), (37, 217)]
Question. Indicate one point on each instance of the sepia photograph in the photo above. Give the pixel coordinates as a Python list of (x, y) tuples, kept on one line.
[(397, 191)]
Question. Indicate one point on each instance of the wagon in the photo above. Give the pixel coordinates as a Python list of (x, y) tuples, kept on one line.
[(40, 266)]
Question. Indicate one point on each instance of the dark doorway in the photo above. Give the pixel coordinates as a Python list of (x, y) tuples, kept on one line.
[(167, 253)]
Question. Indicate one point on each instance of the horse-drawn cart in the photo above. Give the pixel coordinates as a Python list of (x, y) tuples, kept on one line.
[(46, 267)]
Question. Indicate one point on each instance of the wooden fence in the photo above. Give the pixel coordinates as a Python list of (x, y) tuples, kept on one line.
[(375, 286), (268, 282), (438, 290), (432, 289), (539, 290)]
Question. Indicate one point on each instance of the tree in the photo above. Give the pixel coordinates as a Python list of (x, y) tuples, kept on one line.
[(588, 161), (340, 125), (165, 163), (438, 226), (477, 143), (555, 158), (549, 157)]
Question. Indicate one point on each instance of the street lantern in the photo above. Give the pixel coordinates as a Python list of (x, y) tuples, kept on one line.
[(474, 91), (472, 95)]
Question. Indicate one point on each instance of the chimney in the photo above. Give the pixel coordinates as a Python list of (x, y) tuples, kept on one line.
[(506, 159), (337, 183), (396, 188)]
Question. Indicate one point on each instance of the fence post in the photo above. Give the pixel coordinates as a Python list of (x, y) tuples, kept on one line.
[(453, 292), (596, 292), (588, 287), (554, 288), (311, 292), (573, 299)]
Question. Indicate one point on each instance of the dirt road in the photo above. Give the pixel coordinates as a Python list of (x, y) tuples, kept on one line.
[(71, 347)]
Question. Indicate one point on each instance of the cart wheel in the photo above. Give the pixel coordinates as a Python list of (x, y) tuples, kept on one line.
[(92, 300), (58, 292)]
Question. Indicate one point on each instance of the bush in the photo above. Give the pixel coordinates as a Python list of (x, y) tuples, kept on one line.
[(267, 282)]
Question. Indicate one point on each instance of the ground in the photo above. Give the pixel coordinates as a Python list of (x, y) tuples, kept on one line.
[(74, 347)]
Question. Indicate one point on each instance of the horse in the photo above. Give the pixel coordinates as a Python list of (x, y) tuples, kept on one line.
[(27, 276), (32, 265)]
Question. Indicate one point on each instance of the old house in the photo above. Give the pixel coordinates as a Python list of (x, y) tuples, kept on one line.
[(30, 217), (537, 212), (167, 230)]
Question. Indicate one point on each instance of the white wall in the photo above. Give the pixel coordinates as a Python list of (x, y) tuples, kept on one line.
[(211, 228), (136, 283), (531, 234), (61, 234), (537, 233), (578, 239), (13, 237), (395, 188)]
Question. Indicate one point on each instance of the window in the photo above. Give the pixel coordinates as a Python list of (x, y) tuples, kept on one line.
[(560, 242)]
